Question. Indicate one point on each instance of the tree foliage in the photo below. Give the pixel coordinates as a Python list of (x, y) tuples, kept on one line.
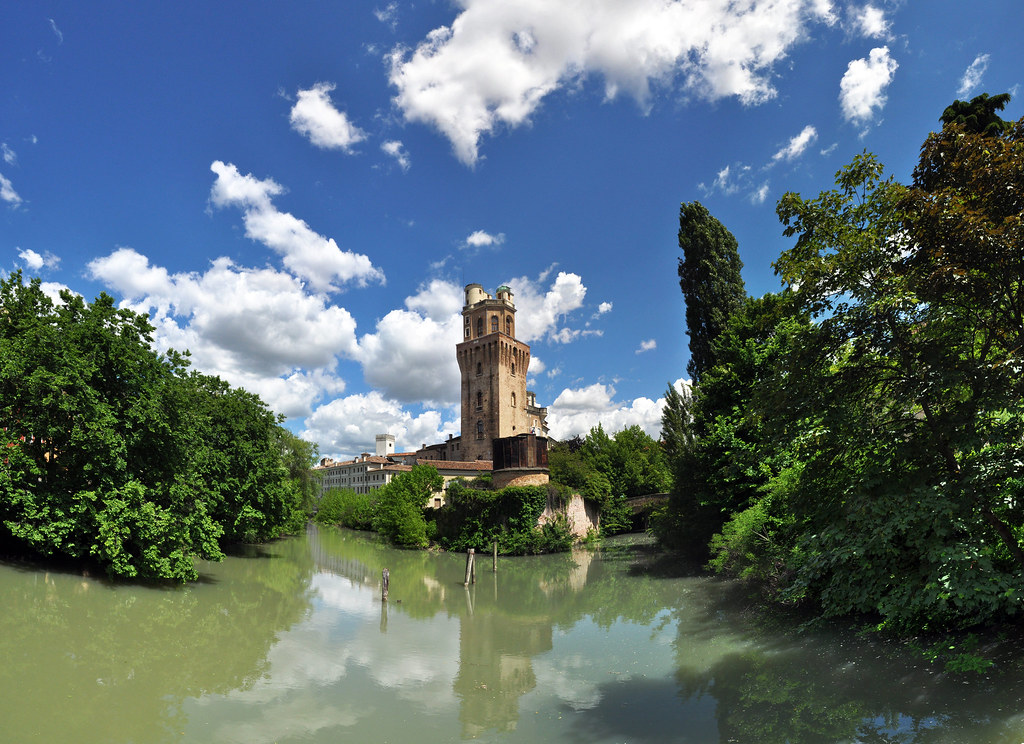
[(709, 276), (870, 460), (114, 454), (608, 470), (398, 512)]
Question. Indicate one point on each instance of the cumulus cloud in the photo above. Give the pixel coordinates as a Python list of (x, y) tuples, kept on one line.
[(577, 411), (871, 22), (648, 345), (257, 328), (306, 253), (482, 239), (395, 149), (410, 356), (540, 309), (315, 117), (348, 426), (862, 89), (604, 307), (797, 145), (7, 192), (972, 76), (34, 261), (497, 61)]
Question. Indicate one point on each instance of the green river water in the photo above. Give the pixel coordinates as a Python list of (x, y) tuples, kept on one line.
[(291, 643)]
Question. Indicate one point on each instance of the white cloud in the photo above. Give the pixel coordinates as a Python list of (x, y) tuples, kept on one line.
[(482, 239), (862, 89), (9, 155), (7, 192), (315, 117), (256, 328), (604, 307), (577, 411), (499, 59), (648, 345), (410, 356), (797, 145), (56, 31), (972, 76), (871, 22), (348, 426), (760, 194), (387, 15), (307, 254), (35, 261), (395, 149), (539, 310)]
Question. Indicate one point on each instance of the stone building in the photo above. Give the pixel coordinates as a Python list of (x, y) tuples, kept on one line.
[(493, 365)]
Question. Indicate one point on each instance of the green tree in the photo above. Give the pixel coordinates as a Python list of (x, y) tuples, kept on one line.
[(117, 455), (92, 451), (710, 278), (729, 458), (398, 514), (904, 404), (978, 116)]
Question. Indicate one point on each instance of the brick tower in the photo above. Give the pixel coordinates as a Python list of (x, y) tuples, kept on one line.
[(495, 402)]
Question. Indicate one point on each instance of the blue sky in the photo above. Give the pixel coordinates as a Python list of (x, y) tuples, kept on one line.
[(297, 192)]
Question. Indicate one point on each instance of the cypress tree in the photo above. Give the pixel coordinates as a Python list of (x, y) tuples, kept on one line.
[(709, 276)]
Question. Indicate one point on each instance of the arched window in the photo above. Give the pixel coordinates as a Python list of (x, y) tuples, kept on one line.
[(479, 429), (508, 325), (479, 400), (480, 326), (513, 367), (513, 400), (479, 368), (494, 324)]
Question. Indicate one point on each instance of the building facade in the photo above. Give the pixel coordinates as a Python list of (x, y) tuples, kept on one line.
[(493, 365)]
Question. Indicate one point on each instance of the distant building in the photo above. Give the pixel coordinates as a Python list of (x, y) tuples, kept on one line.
[(503, 428)]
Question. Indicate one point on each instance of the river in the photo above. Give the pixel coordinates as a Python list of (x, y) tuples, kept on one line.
[(291, 643)]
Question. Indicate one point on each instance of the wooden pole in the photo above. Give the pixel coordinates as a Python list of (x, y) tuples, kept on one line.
[(470, 567), (385, 577), (494, 558)]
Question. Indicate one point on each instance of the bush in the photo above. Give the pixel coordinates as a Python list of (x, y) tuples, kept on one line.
[(346, 508), (476, 518), (399, 510)]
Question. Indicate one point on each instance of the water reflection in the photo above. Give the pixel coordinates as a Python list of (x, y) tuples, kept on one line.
[(88, 660), (292, 643)]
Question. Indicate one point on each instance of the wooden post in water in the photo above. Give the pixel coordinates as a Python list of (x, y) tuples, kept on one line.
[(494, 558), (470, 567), (385, 577)]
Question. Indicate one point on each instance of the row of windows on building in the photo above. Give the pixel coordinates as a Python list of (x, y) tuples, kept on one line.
[(480, 401), (495, 323)]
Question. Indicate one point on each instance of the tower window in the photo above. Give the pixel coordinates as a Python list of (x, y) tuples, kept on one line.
[(513, 367), (513, 400), (508, 325), (479, 400), (479, 429), (494, 324), (479, 368)]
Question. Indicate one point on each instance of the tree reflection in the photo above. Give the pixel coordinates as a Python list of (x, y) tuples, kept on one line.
[(89, 660)]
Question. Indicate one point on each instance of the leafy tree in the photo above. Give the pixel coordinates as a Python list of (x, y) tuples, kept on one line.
[(609, 470), (904, 402), (114, 454), (676, 424), (400, 504), (978, 116), (729, 459), (709, 276)]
